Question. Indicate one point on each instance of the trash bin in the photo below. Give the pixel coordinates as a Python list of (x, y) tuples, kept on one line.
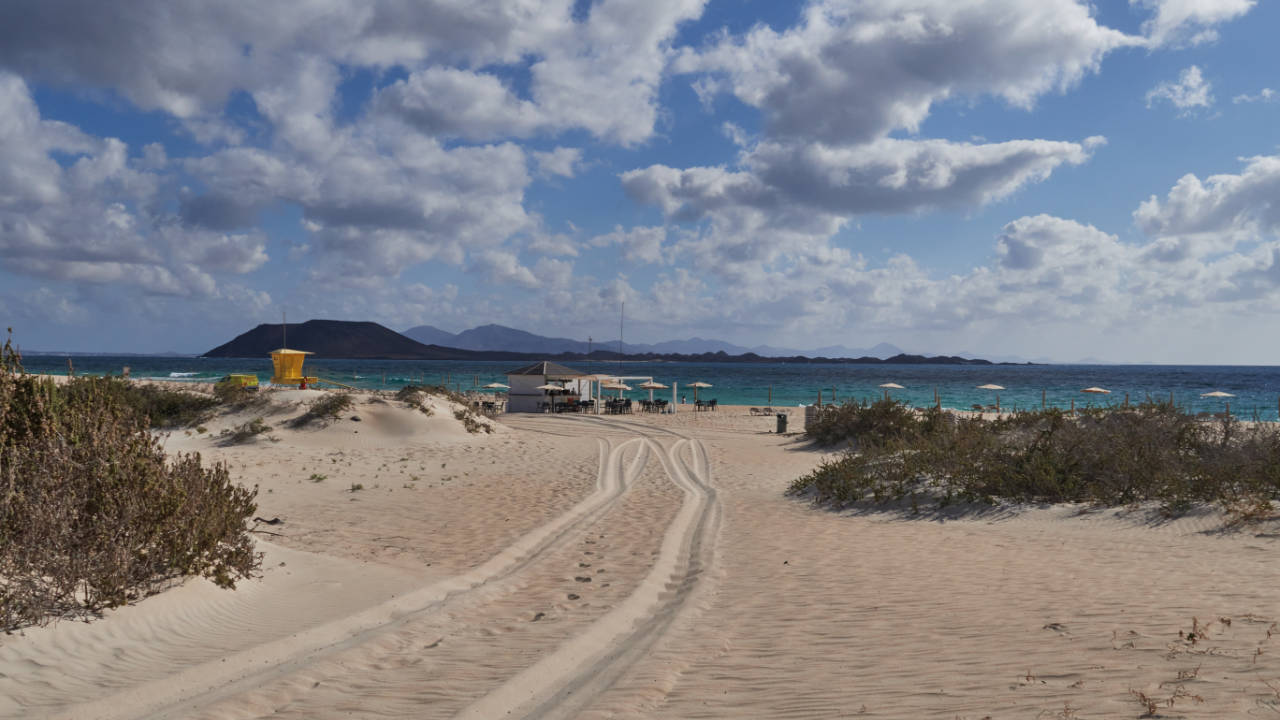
[(782, 423)]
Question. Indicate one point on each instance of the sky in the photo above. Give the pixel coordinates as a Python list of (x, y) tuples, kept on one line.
[(1040, 178)]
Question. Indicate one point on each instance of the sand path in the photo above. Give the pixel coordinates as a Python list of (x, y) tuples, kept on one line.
[(241, 681), (660, 571)]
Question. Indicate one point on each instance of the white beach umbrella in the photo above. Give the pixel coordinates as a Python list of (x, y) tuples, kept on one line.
[(992, 386), (1217, 394), (619, 386), (551, 390), (651, 386), (695, 385), (889, 386), (496, 386), (1096, 391)]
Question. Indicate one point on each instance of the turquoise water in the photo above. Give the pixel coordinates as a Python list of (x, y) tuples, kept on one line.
[(1257, 389)]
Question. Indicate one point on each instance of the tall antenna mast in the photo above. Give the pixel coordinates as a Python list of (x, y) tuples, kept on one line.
[(622, 316), (284, 329)]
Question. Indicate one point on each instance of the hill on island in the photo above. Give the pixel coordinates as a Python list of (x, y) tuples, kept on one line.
[(500, 337), (332, 339), (371, 341)]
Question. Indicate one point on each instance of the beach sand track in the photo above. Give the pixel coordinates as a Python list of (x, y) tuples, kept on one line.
[(182, 693)]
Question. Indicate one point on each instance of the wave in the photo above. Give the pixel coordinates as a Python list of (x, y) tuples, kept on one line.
[(182, 374)]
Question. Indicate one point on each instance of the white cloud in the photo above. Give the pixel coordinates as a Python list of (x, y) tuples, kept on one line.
[(639, 244), (501, 267), (1198, 218), (853, 72), (885, 176), (95, 221), (1264, 95), (562, 161), (1191, 91), (461, 103), (1188, 22)]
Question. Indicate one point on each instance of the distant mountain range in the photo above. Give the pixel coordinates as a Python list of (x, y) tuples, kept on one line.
[(369, 340), (502, 338)]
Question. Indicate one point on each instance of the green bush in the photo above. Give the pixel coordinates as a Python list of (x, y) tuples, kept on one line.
[(1113, 457), (864, 424), (92, 513)]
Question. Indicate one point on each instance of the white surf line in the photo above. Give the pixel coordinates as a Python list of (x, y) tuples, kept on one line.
[(177, 695), (562, 682)]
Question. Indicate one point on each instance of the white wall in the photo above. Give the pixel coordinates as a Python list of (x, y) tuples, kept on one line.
[(523, 395)]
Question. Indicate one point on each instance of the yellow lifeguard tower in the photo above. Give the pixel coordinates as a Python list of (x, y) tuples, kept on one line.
[(288, 367)]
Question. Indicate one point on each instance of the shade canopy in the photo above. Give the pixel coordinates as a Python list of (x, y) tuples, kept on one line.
[(615, 386), (699, 384), (497, 386), (651, 385), (1217, 393), (549, 370), (549, 388), (892, 386), (990, 387), (1096, 390)]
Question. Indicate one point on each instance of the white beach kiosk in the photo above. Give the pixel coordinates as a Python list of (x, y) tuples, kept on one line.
[(525, 394)]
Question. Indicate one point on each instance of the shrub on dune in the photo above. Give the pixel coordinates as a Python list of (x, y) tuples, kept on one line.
[(1151, 452), (92, 513)]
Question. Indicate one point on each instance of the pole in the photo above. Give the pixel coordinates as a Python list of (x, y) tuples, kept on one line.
[(819, 398), (1126, 400), (1043, 396), (997, 402), (1073, 406), (770, 394)]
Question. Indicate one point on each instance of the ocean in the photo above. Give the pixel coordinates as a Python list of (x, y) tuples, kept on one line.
[(1256, 388)]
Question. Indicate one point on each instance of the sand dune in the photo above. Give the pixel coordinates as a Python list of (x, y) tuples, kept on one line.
[(650, 566)]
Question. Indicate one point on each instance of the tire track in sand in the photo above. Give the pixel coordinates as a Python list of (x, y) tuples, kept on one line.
[(180, 693), (565, 681)]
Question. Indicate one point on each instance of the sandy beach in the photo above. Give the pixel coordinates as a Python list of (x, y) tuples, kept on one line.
[(651, 566)]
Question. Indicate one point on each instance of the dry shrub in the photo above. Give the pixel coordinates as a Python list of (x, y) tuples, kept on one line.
[(245, 432), (159, 407), (414, 394), (92, 514), (1110, 456), (238, 397), (327, 408)]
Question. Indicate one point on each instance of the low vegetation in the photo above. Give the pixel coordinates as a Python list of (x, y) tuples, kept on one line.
[(1116, 456), (324, 409), (245, 431), (92, 513), (415, 396), (157, 407)]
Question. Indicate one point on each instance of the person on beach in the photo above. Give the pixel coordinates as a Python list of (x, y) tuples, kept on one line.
[(681, 398)]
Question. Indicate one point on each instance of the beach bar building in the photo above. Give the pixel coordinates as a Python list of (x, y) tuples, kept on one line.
[(524, 395)]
